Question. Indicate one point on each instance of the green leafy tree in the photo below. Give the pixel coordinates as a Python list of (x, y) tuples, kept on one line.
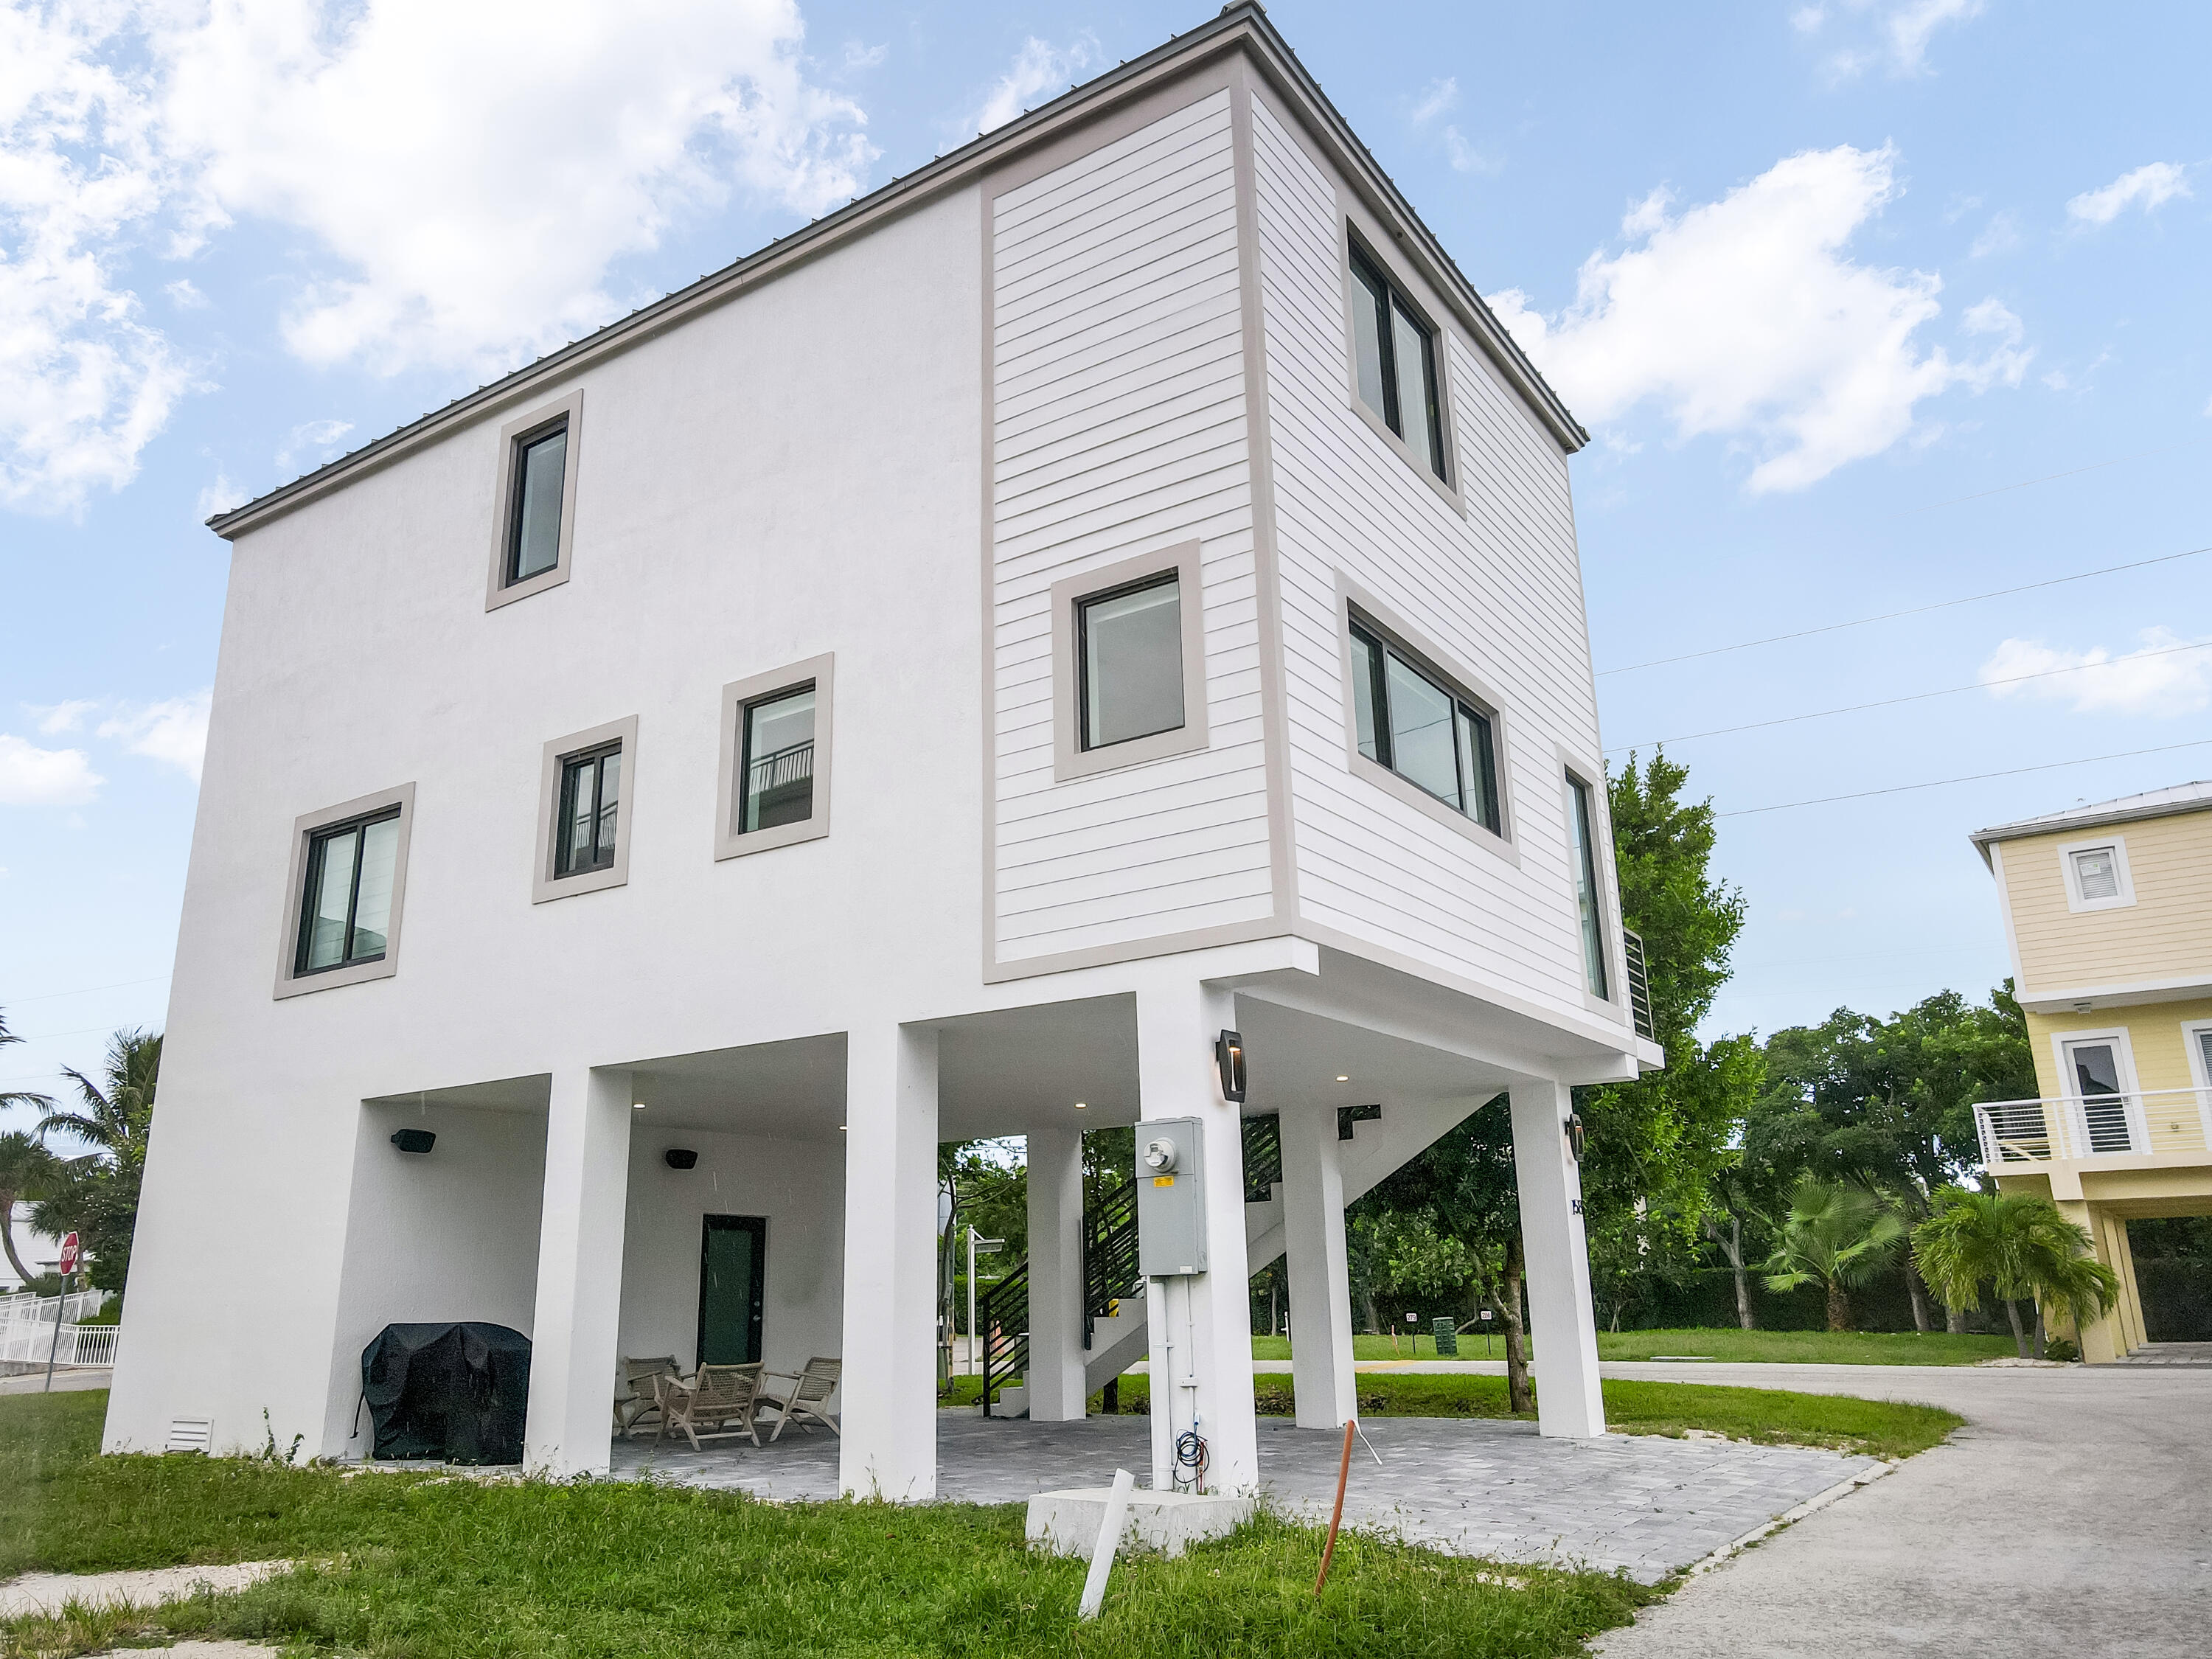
[(27, 1171), (95, 1195), (2016, 1244), (1837, 1235)]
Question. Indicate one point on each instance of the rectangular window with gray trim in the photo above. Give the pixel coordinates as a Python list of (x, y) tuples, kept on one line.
[(778, 761), (1129, 654), (534, 527), (775, 758), (1395, 354), (345, 910), (587, 800), (1589, 897), (590, 812), (1409, 720)]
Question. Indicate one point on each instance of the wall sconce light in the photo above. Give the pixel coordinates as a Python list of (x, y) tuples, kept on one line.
[(1229, 1055), (1578, 1137), (414, 1140), (680, 1157)]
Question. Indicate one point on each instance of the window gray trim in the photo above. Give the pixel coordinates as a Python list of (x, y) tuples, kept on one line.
[(1352, 602), (1573, 769), (543, 884), (737, 696), (570, 409), (291, 983), (1070, 760), (1349, 236)]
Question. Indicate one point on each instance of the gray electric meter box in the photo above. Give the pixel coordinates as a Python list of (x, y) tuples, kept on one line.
[(1171, 1198)]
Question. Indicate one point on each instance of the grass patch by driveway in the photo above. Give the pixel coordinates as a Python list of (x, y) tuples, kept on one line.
[(1780, 1347), (1876, 1428), (423, 1565)]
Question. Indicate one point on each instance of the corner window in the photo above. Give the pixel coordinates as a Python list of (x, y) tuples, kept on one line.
[(1407, 720), (1589, 900), (349, 870), (1128, 663), (1394, 356), (775, 758), (587, 785), (1131, 651), (535, 523), (591, 805), (2096, 875)]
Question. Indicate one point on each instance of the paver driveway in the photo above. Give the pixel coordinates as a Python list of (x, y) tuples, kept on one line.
[(2072, 1515)]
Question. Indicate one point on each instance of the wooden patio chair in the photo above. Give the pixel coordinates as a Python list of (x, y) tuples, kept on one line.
[(635, 1403), (805, 1398), (718, 1401)]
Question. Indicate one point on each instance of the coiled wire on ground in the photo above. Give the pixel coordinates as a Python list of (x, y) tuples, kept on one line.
[(1190, 1453)]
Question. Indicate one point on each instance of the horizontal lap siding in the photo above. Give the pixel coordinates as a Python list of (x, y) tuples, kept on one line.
[(2166, 934), (1119, 428), (1500, 590)]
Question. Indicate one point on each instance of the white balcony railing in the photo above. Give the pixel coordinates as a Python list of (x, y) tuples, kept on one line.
[(29, 1337), (2076, 1127)]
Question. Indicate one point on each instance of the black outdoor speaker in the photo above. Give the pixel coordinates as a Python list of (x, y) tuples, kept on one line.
[(681, 1157), (414, 1140)]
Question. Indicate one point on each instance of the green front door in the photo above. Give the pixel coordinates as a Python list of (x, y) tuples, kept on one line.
[(732, 1276)]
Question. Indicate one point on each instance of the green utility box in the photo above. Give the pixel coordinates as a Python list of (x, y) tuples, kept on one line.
[(1447, 1335)]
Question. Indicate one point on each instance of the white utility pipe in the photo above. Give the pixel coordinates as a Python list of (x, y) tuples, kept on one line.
[(1109, 1539)]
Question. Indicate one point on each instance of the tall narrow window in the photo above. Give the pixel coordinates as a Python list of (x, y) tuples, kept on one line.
[(778, 761), (346, 902), (1405, 719), (1395, 363), (591, 799), (1587, 889), (534, 534), (1129, 644)]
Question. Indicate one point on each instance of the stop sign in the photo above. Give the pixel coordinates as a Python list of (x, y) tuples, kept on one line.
[(69, 1253)]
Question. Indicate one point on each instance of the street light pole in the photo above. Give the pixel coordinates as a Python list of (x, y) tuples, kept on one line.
[(976, 1243)]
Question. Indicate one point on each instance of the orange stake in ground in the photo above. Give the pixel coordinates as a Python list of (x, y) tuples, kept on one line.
[(1336, 1515)]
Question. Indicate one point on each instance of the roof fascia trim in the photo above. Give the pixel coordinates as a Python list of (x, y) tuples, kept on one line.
[(2090, 820)]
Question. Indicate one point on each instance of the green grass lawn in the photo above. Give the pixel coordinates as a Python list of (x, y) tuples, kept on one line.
[(417, 1564), (1797, 1347), (1877, 1428)]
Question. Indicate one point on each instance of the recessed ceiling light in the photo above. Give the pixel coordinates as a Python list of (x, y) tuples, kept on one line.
[(1082, 1105), (637, 1105), (1344, 1080)]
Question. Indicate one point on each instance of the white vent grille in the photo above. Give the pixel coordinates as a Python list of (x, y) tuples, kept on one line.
[(190, 1434)]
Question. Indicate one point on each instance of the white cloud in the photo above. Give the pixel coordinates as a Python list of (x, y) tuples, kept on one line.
[(1744, 319), (2150, 187), (1470, 158), (55, 718), (184, 295), (31, 776), (222, 495), (320, 436), (1040, 72), (2000, 235), (1436, 98), (2155, 679), (1897, 35), (858, 57), (172, 731), (449, 186)]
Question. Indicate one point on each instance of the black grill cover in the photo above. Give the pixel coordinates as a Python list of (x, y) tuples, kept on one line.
[(457, 1392)]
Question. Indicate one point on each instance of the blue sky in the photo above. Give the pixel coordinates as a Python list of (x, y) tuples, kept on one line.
[(1868, 305)]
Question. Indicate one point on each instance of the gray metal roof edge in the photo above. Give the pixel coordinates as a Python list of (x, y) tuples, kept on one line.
[(1245, 21), (2089, 817)]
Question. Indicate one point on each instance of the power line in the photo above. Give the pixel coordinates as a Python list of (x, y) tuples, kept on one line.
[(48, 996), (1975, 777), (2050, 478), (1915, 610), (1916, 696)]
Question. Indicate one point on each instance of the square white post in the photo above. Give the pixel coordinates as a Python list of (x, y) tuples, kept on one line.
[(1321, 1278), (1200, 1325), (1054, 1389), (1564, 1321), (890, 1381), (571, 1429)]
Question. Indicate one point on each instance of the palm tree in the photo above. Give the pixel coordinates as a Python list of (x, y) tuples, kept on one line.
[(27, 1170), (99, 1187), (1836, 1237), (2019, 1245), (17, 1096)]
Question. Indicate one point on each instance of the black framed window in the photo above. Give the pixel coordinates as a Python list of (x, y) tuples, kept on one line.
[(1129, 649), (591, 799), (1397, 362), (777, 756), (533, 530), (1429, 735), (345, 907), (1586, 888)]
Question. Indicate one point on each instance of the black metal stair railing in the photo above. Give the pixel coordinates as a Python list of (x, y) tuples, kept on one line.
[(1003, 1312), (1263, 1157), (1109, 1254)]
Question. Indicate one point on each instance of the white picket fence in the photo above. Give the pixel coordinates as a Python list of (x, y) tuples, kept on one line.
[(27, 1336)]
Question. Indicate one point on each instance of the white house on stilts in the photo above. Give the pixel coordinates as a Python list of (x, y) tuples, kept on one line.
[(1115, 585)]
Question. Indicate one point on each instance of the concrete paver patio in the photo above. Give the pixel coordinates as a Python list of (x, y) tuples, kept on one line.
[(1643, 1503)]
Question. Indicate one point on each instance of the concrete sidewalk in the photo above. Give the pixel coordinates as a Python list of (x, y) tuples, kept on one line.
[(2071, 1517)]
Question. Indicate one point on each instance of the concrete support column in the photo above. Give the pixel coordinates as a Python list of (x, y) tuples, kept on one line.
[(1568, 1402), (1200, 1324), (1320, 1282), (1055, 1387), (569, 1429), (889, 1385)]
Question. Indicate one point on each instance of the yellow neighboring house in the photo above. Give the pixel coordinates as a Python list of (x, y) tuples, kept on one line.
[(2108, 913)]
